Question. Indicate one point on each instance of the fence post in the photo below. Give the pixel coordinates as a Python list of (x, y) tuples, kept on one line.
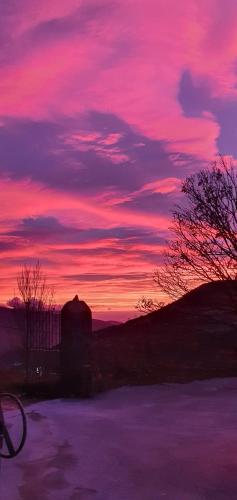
[(76, 330)]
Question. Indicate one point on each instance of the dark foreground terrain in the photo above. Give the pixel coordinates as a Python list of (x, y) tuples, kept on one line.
[(172, 441)]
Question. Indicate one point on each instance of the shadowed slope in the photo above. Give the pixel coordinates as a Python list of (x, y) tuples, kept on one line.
[(193, 337)]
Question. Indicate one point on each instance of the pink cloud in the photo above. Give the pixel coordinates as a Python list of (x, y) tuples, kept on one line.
[(103, 145), (164, 186), (140, 83), (111, 139)]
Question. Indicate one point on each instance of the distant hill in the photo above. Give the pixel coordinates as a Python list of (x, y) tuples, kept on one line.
[(193, 337), (99, 324)]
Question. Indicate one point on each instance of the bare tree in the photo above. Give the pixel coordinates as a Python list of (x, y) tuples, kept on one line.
[(34, 289), (203, 247), (146, 305), (37, 297)]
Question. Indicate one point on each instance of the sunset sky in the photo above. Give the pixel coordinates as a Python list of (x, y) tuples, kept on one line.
[(105, 106)]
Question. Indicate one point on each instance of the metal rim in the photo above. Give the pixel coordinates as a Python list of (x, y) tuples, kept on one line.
[(6, 437)]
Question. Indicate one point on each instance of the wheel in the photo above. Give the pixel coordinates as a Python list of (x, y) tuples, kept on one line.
[(12, 451)]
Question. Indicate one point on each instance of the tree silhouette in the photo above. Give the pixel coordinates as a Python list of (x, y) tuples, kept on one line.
[(203, 246), (146, 305), (34, 289), (37, 296)]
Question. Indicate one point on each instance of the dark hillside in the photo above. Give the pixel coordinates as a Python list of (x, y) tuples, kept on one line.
[(193, 337)]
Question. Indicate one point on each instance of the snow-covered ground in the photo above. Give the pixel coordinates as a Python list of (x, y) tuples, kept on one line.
[(172, 442)]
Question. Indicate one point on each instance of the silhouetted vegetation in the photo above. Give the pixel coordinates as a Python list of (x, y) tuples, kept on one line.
[(146, 305), (34, 289), (203, 246)]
